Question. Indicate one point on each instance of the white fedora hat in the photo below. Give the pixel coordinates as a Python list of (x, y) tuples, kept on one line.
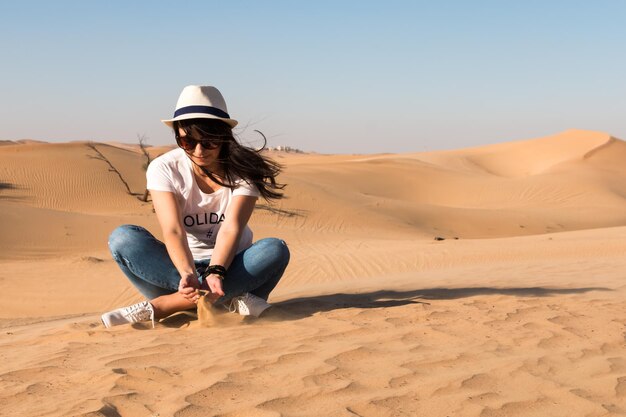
[(201, 102)]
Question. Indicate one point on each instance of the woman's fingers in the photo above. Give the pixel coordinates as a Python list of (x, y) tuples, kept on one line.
[(190, 294), (216, 287), (187, 290)]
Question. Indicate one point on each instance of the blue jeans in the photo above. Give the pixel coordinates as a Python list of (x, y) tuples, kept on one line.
[(146, 263)]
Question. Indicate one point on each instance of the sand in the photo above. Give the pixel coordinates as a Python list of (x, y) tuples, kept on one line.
[(518, 309)]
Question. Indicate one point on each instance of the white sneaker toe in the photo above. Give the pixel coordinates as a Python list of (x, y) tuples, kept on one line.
[(249, 305), (127, 315)]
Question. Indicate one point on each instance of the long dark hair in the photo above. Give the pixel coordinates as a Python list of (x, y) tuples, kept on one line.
[(236, 160)]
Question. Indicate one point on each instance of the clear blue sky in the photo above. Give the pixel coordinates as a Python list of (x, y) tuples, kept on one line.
[(328, 76)]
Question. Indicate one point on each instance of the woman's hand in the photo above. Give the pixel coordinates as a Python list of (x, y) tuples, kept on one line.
[(214, 284), (188, 287)]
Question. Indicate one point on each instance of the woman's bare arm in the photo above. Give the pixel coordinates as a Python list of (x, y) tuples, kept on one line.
[(174, 236), (235, 220)]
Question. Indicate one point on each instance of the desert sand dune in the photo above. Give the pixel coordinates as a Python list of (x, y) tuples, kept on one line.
[(526, 157), (451, 194), (519, 311), (72, 176)]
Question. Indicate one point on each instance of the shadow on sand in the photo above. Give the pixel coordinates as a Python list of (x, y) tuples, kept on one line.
[(8, 186), (298, 308), (307, 306)]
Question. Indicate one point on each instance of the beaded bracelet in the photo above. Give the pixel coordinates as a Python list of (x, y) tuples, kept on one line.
[(218, 270)]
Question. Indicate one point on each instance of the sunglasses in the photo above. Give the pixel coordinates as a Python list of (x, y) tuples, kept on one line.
[(189, 144)]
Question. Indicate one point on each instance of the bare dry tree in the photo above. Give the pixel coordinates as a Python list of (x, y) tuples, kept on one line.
[(143, 144), (112, 168)]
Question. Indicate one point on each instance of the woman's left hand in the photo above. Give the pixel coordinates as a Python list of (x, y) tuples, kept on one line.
[(214, 282)]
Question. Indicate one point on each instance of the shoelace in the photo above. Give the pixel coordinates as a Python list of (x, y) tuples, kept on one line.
[(233, 307), (138, 312)]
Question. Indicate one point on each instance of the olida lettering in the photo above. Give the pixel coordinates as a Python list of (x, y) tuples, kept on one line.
[(203, 218)]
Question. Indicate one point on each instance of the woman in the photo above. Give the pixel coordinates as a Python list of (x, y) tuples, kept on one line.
[(203, 193)]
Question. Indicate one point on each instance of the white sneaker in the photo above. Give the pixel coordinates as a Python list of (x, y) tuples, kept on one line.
[(248, 305), (126, 315)]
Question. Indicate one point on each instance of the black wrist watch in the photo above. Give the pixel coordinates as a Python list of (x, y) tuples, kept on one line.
[(218, 270)]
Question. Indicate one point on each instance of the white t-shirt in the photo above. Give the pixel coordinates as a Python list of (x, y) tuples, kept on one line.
[(202, 214)]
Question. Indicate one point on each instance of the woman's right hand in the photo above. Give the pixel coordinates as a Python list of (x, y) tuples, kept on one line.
[(188, 286)]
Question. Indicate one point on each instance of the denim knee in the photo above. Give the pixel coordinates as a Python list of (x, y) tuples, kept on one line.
[(275, 249), (123, 237)]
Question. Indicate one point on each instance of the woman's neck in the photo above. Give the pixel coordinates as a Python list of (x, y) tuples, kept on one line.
[(202, 171)]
